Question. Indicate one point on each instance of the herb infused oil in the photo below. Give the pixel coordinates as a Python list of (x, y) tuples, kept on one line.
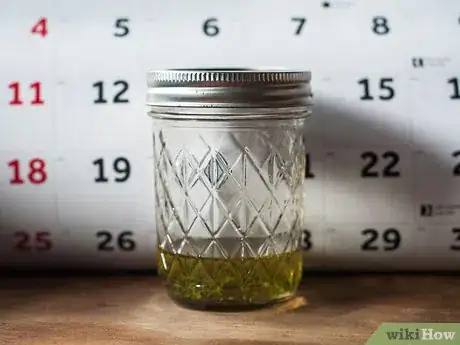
[(230, 282)]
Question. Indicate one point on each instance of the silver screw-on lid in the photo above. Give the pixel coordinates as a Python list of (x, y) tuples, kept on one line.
[(229, 88)]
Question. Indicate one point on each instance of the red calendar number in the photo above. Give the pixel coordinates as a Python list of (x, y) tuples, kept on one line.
[(37, 93), (41, 27), (40, 241), (36, 174)]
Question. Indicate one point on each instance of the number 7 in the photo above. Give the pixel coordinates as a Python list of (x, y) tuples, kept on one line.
[(301, 22)]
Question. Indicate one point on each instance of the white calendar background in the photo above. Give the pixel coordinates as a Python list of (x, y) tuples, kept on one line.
[(76, 168)]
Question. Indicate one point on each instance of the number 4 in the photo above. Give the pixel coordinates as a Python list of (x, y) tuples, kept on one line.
[(41, 27)]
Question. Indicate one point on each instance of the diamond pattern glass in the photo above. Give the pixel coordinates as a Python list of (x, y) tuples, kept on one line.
[(219, 183), (228, 192)]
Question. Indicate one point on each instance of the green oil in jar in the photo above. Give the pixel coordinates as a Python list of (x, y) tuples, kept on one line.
[(241, 282)]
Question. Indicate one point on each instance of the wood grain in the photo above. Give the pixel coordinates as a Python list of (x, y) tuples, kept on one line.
[(122, 310)]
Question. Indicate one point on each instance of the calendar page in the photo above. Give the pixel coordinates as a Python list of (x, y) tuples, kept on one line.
[(382, 188)]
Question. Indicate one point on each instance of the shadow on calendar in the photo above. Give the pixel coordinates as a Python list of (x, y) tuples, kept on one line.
[(379, 196)]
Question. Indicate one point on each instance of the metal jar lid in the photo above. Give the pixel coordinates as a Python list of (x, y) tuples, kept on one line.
[(229, 88)]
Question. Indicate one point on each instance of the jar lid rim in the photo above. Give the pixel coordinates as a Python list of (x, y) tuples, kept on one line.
[(229, 87), (227, 76)]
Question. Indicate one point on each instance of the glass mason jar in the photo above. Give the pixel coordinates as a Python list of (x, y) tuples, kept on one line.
[(229, 167)]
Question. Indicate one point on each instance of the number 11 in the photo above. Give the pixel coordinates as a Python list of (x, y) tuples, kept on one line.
[(35, 86)]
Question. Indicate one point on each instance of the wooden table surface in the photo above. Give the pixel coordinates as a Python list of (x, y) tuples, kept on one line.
[(134, 309)]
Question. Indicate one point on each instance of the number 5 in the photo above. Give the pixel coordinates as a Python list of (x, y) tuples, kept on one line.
[(121, 23), (43, 241), (385, 84)]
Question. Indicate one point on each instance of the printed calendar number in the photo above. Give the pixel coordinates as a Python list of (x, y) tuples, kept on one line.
[(120, 86), (40, 241), (380, 25), (387, 91), (121, 27), (16, 93), (389, 169), (455, 88), (300, 21), (40, 28), (109, 242), (308, 172), (456, 245), (120, 166), (307, 243), (36, 172), (388, 240), (210, 28), (456, 169)]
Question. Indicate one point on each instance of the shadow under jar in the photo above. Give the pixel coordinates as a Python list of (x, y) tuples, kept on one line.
[(229, 168)]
